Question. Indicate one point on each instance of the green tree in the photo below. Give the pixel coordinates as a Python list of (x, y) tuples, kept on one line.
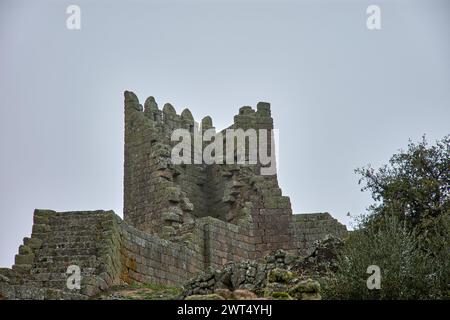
[(407, 230), (414, 186)]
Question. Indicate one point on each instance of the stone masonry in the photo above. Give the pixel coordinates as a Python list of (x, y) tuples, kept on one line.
[(179, 220)]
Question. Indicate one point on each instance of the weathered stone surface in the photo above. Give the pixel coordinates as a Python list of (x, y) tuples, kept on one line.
[(33, 243), (25, 250), (24, 258), (186, 205), (275, 287), (22, 268), (172, 216)]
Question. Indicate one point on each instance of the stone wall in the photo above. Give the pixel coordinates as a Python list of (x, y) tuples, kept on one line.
[(226, 242), (89, 240), (147, 258), (163, 198), (109, 251), (310, 227)]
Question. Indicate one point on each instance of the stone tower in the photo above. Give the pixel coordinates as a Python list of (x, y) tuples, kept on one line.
[(166, 199)]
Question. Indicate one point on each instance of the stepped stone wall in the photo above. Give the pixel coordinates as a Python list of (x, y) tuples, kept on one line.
[(89, 240), (179, 219)]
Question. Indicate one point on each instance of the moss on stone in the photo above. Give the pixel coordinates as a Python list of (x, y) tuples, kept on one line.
[(281, 296), (280, 275), (306, 290)]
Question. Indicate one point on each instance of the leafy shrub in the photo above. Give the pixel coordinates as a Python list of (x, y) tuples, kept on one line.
[(407, 272)]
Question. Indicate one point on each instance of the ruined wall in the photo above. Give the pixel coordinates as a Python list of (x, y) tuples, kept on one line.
[(110, 252), (107, 250), (310, 227), (89, 240), (161, 198), (178, 219)]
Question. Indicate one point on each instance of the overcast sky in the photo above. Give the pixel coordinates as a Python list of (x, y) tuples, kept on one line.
[(342, 96)]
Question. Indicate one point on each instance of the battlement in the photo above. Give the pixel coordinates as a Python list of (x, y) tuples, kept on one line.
[(168, 117)]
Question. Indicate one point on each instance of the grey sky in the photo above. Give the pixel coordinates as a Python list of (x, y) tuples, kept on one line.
[(342, 96)]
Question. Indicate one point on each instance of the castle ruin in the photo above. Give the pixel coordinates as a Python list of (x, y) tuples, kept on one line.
[(178, 220)]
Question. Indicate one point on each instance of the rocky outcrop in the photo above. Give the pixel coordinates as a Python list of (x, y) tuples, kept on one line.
[(272, 278), (320, 259)]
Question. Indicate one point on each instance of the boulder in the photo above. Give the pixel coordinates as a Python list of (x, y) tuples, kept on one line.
[(306, 290), (280, 275)]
